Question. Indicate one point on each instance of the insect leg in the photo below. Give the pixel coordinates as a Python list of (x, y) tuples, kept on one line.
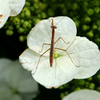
[(43, 46), (39, 60), (68, 55), (61, 39)]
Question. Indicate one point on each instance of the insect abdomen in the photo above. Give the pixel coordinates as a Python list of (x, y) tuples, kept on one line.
[(52, 49), (51, 55)]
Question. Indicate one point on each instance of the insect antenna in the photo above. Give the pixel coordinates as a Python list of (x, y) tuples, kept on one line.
[(59, 20)]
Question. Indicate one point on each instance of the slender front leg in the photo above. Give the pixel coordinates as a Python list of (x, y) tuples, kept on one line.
[(54, 43), (43, 46), (61, 39), (68, 55)]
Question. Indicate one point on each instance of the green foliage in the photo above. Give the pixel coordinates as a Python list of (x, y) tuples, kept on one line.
[(84, 13)]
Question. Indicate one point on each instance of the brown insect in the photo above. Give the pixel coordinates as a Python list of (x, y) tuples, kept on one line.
[(52, 47)]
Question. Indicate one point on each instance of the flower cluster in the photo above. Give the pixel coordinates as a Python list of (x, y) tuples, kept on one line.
[(9, 8), (74, 56)]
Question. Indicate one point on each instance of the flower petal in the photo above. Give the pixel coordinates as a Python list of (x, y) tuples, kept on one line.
[(42, 33), (13, 74), (81, 94), (4, 63), (16, 6), (15, 97), (63, 71), (29, 59), (4, 12), (86, 55), (5, 92), (28, 96), (28, 85), (20, 79)]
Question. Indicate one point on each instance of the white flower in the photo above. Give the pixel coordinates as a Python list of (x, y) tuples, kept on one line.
[(9, 8), (15, 82), (3, 66), (84, 94), (82, 61)]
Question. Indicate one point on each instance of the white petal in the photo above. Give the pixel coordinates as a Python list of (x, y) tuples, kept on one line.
[(42, 33), (15, 97), (62, 71), (86, 48), (84, 94), (86, 55), (16, 6), (20, 79), (28, 96), (29, 59), (4, 63), (13, 74), (28, 85), (5, 92), (4, 12)]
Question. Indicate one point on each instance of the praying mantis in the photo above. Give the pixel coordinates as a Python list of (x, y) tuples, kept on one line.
[(51, 57)]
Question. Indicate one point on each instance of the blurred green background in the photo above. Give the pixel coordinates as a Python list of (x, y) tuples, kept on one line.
[(86, 15)]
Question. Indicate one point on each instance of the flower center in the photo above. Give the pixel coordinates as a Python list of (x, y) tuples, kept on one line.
[(14, 91), (56, 55)]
